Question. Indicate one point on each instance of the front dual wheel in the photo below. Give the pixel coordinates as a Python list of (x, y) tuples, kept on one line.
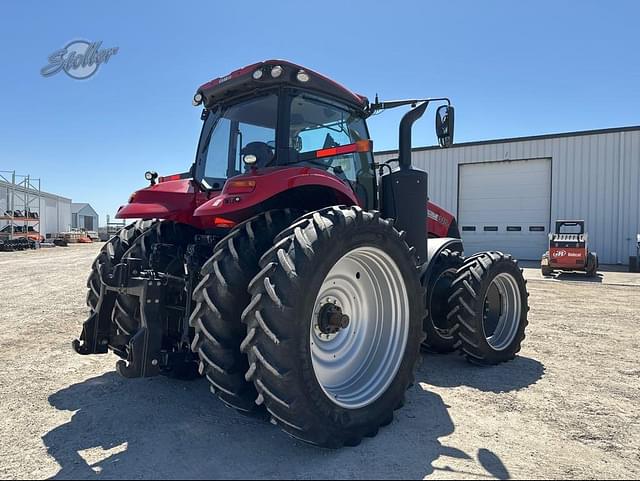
[(334, 326)]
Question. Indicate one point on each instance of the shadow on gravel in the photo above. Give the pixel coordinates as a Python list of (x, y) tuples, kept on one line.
[(579, 277), (453, 370), (158, 428)]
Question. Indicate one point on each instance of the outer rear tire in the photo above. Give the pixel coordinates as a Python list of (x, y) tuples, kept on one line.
[(490, 304), (439, 331), (221, 297), (281, 322)]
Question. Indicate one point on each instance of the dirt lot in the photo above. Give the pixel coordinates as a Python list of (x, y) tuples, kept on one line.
[(568, 407)]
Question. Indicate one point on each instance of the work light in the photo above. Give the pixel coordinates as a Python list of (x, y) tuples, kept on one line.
[(276, 71), (302, 76)]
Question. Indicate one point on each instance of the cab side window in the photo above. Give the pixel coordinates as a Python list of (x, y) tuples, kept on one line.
[(317, 124)]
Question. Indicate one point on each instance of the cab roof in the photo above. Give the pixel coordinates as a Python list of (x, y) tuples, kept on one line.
[(243, 80)]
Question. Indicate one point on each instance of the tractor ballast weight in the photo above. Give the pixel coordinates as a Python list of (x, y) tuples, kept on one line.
[(282, 269)]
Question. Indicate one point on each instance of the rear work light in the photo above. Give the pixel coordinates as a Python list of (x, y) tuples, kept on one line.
[(241, 186)]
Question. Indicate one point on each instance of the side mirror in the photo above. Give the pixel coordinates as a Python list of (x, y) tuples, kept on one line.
[(444, 125)]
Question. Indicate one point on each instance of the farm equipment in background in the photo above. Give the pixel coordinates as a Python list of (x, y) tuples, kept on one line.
[(290, 274), (634, 261), (569, 250)]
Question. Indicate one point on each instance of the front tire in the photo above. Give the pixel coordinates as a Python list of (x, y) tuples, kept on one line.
[(324, 384), (490, 304)]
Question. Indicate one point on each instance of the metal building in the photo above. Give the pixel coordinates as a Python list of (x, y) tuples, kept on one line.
[(83, 216), (53, 211), (507, 193)]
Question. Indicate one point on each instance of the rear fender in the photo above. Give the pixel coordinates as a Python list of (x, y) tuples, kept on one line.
[(299, 187), (440, 223), (435, 247)]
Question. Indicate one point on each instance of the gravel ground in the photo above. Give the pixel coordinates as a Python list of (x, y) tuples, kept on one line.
[(568, 407)]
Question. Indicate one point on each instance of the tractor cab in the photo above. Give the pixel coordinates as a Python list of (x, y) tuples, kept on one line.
[(276, 114)]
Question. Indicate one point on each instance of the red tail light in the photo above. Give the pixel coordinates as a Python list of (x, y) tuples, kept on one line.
[(223, 223)]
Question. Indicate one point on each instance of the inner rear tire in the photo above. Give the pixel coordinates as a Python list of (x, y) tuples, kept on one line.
[(333, 389), (490, 304), (221, 297), (437, 325)]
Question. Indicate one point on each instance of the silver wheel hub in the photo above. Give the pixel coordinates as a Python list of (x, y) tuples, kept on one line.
[(502, 310), (357, 364)]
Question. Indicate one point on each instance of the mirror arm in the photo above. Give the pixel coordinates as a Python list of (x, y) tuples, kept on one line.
[(378, 106)]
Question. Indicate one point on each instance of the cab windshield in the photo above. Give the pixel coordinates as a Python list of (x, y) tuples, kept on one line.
[(228, 130)]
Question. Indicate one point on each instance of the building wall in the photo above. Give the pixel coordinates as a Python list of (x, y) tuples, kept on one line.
[(55, 211), (55, 215), (595, 177), (78, 218)]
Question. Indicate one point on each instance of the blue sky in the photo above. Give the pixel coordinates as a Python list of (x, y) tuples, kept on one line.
[(511, 68)]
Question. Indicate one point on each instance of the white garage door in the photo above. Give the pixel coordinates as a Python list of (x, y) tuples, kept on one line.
[(505, 206)]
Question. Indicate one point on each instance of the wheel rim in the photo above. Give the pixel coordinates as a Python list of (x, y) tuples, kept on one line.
[(502, 308), (356, 365)]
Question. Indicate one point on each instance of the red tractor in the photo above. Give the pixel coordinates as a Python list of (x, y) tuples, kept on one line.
[(291, 270), (569, 250)]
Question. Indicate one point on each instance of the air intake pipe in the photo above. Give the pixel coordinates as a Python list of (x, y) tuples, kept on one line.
[(404, 192), (404, 142)]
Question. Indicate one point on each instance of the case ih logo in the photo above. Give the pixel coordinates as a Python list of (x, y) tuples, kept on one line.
[(79, 59), (560, 253), (438, 218)]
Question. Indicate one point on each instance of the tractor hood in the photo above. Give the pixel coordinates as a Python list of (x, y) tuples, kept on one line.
[(172, 200)]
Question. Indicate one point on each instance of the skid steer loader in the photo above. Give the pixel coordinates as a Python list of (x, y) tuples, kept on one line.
[(295, 273)]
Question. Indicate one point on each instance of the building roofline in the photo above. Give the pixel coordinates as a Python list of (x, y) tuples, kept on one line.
[(34, 192), (578, 133)]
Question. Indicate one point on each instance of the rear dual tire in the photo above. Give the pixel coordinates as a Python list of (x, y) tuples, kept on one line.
[(335, 389), (489, 304), (437, 283)]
